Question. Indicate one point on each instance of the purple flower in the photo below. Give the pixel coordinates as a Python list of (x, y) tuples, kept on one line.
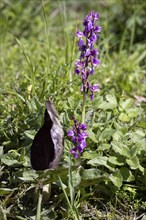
[(83, 127), (97, 29), (95, 61), (88, 60), (70, 133), (94, 88), (79, 34), (79, 136)]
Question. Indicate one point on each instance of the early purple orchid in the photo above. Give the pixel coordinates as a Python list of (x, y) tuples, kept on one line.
[(85, 66), (88, 60), (79, 136)]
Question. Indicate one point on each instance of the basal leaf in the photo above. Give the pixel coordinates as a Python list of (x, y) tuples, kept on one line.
[(89, 155), (135, 150), (124, 117), (5, 191), (91, 174), (126, 104), (29, 175), (104, 147), (117, 179), (11, 159), (105, 105), (132, 113), (100, 161), (112, 100), (30, 134), (76, 177), (121, 148), (92, 136), (133, 162), (127, 174), (116, 160), (106, 134)]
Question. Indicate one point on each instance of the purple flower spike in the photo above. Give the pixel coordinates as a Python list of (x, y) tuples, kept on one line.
[(95, 88), (97, 29), (80, 42), (79, 136), (70, 133), (95, 61), (83, 127), (88, 60), (79, 34), (92, 96)]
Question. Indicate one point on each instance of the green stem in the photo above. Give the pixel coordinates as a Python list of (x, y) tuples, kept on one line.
[(83, 107), (38, 215)]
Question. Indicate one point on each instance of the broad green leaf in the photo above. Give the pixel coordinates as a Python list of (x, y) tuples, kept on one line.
[(112, 100), (126, 104), (29, 175), (100, 161), (127, 174), (11, 159), (132, 113), (5, 191), (121, 149), (117, 135), (140, 133), (30, 134), (76, 177), (117, 179), (91, 174), (89, 154), (106, 134), (135, 150), (105, 105), (92, 136), (133, 162), (142, 124), (116, 160), (1, 150), (104, 147), (124, 117)]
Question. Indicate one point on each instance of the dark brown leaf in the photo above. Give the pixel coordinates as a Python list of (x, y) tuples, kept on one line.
[(47, 146)]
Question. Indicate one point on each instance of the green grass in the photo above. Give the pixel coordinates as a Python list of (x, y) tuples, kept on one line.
[(38, 51)]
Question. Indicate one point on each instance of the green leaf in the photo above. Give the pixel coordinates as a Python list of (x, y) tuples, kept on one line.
[(133, 162), (124, 117), (1, 150), (76, 177), (104, 147), (105, 105), (91, 174), (100, 161), (127, 174), (142, 124), (106, 134), (92, 136), (132, 113), (117, 179), (112, 100), (29, 175), (89, 155), (11, 159), (121, 149), (5, 191), (126, 104), (135, 150), (116, 160), (30, 134)]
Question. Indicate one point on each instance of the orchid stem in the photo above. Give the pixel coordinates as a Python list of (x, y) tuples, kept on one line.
[(83, 107)]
